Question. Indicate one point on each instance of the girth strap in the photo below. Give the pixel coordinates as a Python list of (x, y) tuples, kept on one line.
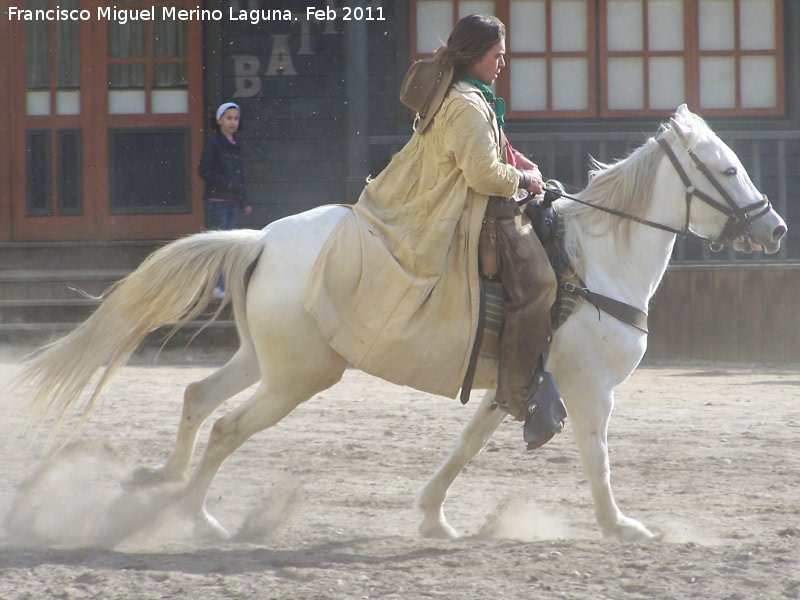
[(469, 376), (619, 310)]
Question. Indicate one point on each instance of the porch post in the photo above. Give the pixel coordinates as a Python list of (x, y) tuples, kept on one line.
[(356, 96)]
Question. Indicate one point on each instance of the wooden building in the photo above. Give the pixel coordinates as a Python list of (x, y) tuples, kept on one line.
[(105, 106)]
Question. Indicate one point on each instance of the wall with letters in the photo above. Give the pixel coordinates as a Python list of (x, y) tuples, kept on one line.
[(285, 66)]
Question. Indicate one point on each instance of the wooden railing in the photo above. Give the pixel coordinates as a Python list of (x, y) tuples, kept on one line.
[(771, 158), (733, 313)]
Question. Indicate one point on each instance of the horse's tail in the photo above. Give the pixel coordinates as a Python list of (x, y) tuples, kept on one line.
[(173, 286)]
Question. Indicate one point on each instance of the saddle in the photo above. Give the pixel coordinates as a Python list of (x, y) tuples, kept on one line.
[(544, 409), (545, 222), (549, 228), (571, 290)]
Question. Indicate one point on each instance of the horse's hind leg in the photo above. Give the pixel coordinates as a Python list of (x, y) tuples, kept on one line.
[(200, 399), (431, 497), (280, 392)]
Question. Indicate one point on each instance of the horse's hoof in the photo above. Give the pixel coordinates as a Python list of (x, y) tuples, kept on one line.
[(438, 530), (630, 530), (208, 529)]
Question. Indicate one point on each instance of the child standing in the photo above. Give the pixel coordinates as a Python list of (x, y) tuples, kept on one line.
[(222, 169)]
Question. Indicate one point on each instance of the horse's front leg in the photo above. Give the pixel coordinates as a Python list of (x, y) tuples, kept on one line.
[(590, 427), (431, 497)]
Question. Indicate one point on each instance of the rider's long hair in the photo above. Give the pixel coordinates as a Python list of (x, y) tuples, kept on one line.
[(471, 38)]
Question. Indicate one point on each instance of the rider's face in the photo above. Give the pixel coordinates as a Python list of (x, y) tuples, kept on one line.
[(489, 65)]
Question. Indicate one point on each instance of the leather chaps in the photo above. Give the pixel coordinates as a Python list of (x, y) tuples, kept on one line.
[(530, 287)]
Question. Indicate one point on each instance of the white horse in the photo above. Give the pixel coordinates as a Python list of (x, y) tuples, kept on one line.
[(283, 351)]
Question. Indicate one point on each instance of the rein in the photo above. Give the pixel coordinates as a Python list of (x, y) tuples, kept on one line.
[(739, 221), (739, 218)]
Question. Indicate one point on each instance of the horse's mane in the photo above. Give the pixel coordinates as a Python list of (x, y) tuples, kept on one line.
[(626, 185)]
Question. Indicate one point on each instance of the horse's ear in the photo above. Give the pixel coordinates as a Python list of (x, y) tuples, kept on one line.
[(681, 131), (683, 111)]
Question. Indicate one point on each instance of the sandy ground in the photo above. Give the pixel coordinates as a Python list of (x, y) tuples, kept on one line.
[(707, 454)]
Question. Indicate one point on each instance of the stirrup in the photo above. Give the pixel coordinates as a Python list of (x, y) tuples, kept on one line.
[(544, 411)]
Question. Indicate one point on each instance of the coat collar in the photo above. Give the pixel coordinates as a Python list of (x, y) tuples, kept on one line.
[(473, 93)]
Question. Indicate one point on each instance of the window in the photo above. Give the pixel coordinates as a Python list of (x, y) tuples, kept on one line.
[(723, 57), (39, 158), (149, 171), (147, 66), (622, 58), (53, 93), (107, 122), (52, 63), (550, 46), (69, 174)]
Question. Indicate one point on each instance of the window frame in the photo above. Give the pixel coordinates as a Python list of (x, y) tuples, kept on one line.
[(550, 55), (691, 56), (598, 54)]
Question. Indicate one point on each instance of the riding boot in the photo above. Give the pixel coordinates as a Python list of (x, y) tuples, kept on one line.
[(544, 409), (530, 287)]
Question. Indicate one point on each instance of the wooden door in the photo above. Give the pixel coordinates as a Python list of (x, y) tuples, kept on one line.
[(106, 125)]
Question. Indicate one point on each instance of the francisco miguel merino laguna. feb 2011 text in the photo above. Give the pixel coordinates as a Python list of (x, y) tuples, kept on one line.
[(172, 13)]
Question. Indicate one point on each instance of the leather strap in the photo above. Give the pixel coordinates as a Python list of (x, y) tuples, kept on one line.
[(619, 310), (469, 376)]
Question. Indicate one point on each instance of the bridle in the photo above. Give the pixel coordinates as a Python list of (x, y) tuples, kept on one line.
[(740, 218)]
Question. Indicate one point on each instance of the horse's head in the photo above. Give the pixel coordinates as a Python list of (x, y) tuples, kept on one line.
[(730, 209)]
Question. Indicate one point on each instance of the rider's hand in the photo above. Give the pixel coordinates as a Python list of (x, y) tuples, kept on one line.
[(534, 180)]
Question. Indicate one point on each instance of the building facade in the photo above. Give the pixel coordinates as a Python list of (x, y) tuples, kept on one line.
[(105, 106)]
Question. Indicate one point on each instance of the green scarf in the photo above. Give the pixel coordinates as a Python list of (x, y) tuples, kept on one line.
[(498, 104)]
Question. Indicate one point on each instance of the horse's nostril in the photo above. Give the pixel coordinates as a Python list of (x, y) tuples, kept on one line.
[(778, 233)]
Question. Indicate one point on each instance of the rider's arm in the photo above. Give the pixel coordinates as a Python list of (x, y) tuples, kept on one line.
[(530, 175), (469, 137)]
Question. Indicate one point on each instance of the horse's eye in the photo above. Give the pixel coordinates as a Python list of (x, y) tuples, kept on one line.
[(731, 171)]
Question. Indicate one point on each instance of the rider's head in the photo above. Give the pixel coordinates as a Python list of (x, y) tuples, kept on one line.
[(470, 40)]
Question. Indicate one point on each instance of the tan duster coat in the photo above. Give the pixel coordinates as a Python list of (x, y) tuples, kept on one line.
[(395, 290)]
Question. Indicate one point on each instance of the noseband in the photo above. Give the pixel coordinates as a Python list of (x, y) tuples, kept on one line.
[(740, 218)]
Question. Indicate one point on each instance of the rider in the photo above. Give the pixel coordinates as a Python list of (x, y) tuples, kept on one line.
[(395, 290), (476, 50)]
